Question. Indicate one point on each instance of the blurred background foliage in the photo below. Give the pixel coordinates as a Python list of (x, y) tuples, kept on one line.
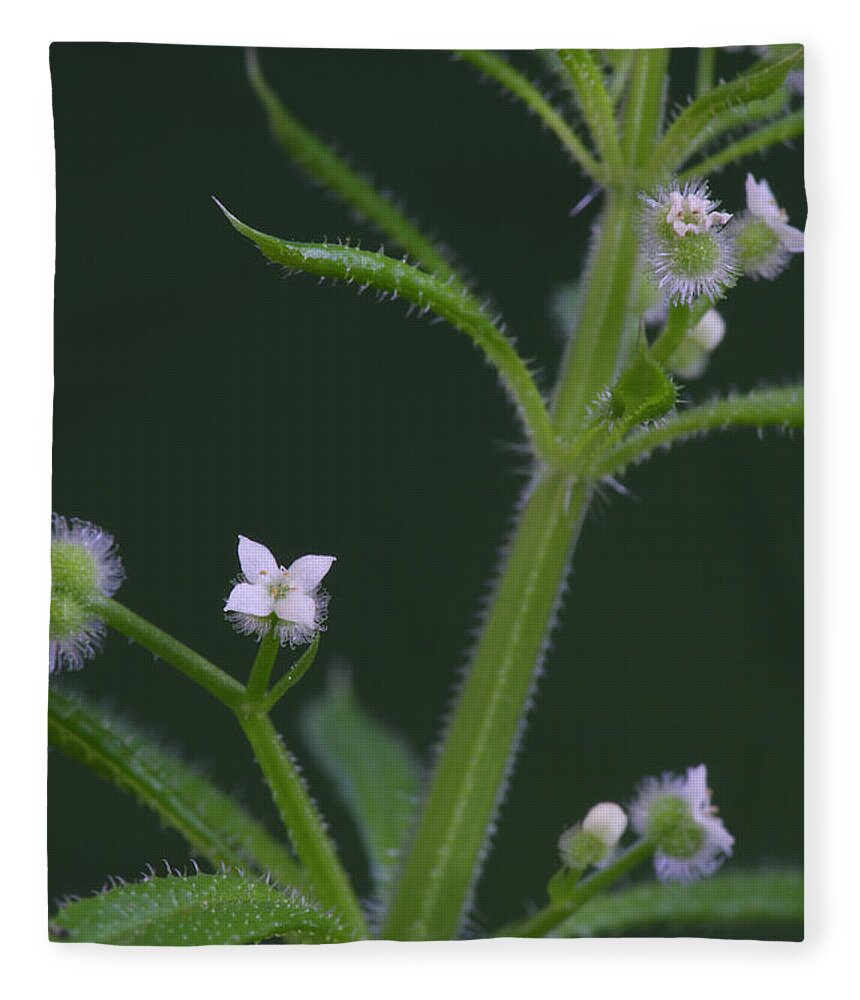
[(200, 394)]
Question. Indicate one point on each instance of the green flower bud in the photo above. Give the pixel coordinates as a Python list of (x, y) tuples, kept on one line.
[(643, 392), (84, 567)]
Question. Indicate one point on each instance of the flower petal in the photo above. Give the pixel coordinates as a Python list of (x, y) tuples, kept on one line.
[(256, 560), (696, 791), (790, 237), (297, 608), (760, 199), (307, 573), (250, 599)]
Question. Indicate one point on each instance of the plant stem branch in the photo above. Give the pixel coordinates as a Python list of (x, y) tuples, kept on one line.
[(643, 108), (296, 672), (213, 679), (597, 350), (261, 671), (681, 319), (554, 914)]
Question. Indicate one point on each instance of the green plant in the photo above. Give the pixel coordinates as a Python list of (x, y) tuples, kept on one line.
[(662, 256)]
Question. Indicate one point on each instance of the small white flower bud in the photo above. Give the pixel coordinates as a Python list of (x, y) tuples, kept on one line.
[(593, 841), (690, 359), (608, 821)]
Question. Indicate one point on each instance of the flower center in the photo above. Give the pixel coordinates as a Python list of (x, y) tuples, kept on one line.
[(280, 588), (690, 214)]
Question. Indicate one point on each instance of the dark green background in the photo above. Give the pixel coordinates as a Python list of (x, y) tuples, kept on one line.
[(200, 394)]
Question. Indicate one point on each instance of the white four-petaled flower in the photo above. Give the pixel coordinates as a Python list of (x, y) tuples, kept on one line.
[(268, 595)]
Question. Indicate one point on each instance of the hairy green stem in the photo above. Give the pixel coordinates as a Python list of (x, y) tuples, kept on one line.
[(264, 662), (681, 319), (736, 898), (722, 105), (705, 70), (300, 817), (213, 679), (554, 914), (597, 350), (471, 773), (643, 108), (296, 672)]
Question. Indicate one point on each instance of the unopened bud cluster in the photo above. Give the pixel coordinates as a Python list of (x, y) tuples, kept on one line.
[(84, 567)]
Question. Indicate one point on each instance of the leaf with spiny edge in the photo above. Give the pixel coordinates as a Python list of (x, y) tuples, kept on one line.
[(212, 823), (179, 910), (320, 162), (684, 135), (399, 279)]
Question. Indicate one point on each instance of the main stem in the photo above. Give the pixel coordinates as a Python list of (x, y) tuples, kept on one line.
[(472, 770), (442, 866)]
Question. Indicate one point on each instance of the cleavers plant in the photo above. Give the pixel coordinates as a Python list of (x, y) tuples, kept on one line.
[(663, 254)]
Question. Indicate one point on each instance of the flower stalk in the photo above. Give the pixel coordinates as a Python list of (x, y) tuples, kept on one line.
[(300, 817), (554, 914), (198, 669)]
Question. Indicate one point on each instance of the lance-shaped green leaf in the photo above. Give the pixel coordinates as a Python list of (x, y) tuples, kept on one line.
[(321, 163), (596, 105), (736, 898), (376, 774), (398, 279), (694, 125), (745, 115), (782, 130), (213, 824), (512, 80), (781, 407), (196, 910)]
